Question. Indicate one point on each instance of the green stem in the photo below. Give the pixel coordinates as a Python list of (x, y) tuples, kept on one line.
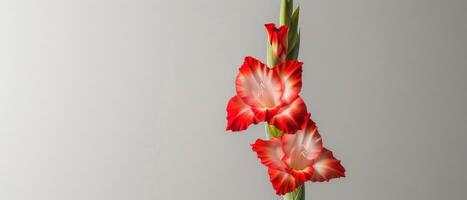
[(272, 131), (298, 194)]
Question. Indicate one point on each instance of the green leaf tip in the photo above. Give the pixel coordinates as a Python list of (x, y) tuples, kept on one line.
[(292, 53)]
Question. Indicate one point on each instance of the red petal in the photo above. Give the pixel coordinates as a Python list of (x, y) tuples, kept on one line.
[(278, 39), (283, 182), (258, 85), (327, 167), (239, 115), (290, 73), (290, 117), (270, 153)]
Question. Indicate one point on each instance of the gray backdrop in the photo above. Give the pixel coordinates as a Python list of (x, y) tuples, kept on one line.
[(125, 99)]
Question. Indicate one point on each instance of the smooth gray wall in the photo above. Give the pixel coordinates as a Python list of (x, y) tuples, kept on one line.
[(125, 99)]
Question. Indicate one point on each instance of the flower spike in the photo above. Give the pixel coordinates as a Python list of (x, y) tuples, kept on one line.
[(293, 151)]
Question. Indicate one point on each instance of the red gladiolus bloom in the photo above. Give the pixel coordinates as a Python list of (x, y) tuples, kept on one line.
[(267, 94), (278, 39), (293, 159)]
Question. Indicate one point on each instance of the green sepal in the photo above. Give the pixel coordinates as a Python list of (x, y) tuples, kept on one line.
[(293, 52), (272, 60), (293, 27), (293, 43)]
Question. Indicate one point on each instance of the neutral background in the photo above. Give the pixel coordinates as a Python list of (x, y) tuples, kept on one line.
[(125, 99)]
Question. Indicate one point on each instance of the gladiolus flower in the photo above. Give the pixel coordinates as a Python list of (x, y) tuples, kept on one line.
[(267, 94), (278, 42), (293, 159)]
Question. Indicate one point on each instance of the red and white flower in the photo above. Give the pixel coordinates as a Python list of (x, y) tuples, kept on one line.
[(267, 94), (278, 41), (293, 159)]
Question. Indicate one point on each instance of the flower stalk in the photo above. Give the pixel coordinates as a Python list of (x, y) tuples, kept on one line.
[(293, 151)]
